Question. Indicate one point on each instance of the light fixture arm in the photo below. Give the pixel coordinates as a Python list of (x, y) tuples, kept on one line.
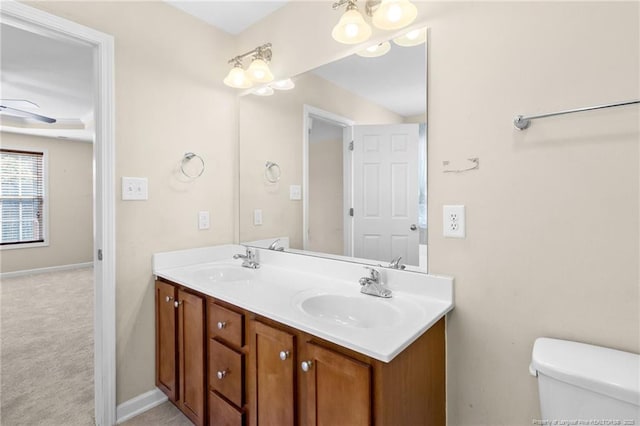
[(262, 52), (370, 5)]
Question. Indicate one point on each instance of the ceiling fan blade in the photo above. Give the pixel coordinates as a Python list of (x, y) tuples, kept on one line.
[(26, 114)]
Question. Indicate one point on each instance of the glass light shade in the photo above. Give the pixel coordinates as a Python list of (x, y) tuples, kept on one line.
[(351, 28), (283, 84), (412, 38), (394, 14), (263, 91), (259, 71), (375, 50), (238, 78)]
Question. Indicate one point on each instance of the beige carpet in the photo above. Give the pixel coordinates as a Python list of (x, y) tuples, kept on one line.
[(163, 415), (46, 349)]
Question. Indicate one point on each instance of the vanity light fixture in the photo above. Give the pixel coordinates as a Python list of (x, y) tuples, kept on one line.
[(258, 71), (394, 14), (375, 50), (351, 28), (385, 14), (412, 38)]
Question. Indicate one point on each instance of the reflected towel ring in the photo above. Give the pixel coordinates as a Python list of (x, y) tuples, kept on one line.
[(188, 156), (272, 171)]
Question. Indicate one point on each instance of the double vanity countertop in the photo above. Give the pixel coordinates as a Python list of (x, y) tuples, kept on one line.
[(316, 295)]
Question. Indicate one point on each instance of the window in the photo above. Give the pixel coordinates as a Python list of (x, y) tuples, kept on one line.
[(22, 197)]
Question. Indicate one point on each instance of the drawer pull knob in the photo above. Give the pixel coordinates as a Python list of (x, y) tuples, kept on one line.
[(168, 299), (221, 374), (284, 355), (221, 325), (177, 303), (306, 365)]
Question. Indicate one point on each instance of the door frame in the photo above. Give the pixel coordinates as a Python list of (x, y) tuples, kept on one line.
[(307, 112), (46, 24)]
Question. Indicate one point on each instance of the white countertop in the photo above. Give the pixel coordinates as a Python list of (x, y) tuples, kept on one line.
[(284, 281)]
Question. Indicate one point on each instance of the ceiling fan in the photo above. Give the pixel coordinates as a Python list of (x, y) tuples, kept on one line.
[(7, 106)]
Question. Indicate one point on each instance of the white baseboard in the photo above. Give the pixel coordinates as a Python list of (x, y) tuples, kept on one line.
[(138, 405), (45, 270)]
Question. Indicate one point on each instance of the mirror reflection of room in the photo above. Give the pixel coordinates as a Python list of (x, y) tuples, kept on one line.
[(350, 141)]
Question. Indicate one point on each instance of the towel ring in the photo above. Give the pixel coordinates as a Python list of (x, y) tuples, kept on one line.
[(272, 171), (188, 156)]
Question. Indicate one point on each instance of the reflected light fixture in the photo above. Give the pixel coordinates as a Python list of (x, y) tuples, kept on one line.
[(375, 50), (351, 28), (258, 71), (394, 14), (263, 91), (412, 38), (286, 84)]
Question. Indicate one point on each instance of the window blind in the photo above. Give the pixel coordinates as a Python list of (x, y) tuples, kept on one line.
[(21, 197)]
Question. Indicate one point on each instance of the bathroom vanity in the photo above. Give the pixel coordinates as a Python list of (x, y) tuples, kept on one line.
[(294, 342)]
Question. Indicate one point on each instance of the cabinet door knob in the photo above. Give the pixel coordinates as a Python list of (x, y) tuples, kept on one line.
[(177, 303), (284, 355), (168, 299), (306, 365), (221, 325), (221, 374)]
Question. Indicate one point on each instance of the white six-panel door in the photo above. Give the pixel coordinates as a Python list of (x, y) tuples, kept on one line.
[(385, 188)]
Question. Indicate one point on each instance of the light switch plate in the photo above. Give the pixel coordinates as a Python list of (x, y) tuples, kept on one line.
[(295, 192), (203, 220), (257, 217), (135, 188)]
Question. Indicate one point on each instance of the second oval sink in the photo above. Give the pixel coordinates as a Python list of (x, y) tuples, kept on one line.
[(356, 311)]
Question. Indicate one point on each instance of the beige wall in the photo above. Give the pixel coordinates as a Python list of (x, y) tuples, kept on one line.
[(543, 256), (169, 100), (70, 197), (326, 209), (271, 130)]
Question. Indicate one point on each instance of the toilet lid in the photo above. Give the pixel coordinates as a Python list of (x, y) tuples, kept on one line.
[(603, 370)]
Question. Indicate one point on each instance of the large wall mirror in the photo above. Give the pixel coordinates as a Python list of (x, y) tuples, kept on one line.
[(337, 165)]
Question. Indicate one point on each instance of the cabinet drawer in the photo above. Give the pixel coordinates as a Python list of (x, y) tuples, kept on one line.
[(225, 324), (226, 372), (221, 413)]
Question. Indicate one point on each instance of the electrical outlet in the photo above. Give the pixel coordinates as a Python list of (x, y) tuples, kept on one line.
[(453, 225)]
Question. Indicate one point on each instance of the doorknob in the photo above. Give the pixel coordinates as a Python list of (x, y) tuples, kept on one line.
[(413, 227)]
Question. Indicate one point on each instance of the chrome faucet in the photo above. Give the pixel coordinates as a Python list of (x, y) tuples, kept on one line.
[(372, 284), (395, 263), (249, 260), (274, 246)]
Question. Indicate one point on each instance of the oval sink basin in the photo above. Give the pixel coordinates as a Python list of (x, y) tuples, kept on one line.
[(223, 273), (355, 311)]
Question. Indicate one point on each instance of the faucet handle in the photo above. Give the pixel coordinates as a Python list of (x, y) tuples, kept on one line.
[(374, 274)]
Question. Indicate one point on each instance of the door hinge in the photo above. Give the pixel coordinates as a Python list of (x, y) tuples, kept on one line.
[(351, 212), (99, 254), (351, 146)]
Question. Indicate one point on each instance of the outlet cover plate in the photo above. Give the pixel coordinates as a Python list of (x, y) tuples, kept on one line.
[(453, 221)]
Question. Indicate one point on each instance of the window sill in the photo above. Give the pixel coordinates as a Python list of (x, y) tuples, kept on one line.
[(23, 246)]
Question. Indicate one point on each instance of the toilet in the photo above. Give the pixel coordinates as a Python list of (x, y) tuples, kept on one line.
[(586, 383)]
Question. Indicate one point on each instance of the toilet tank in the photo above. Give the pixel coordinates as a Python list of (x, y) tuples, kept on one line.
[(586, 384)]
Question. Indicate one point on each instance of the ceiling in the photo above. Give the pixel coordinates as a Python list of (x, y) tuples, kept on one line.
[(55, 74), (232, 17)]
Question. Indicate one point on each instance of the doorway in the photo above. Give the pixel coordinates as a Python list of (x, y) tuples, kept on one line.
[(33, 20)]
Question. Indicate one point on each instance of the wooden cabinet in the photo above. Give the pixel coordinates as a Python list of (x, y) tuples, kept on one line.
[(222, 365), (180, 350), (226, 362), (335, 388)]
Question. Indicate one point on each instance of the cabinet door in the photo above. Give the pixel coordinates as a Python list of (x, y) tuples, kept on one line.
[(274, 376), (191, 349), (166, 339), (337, 388)]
